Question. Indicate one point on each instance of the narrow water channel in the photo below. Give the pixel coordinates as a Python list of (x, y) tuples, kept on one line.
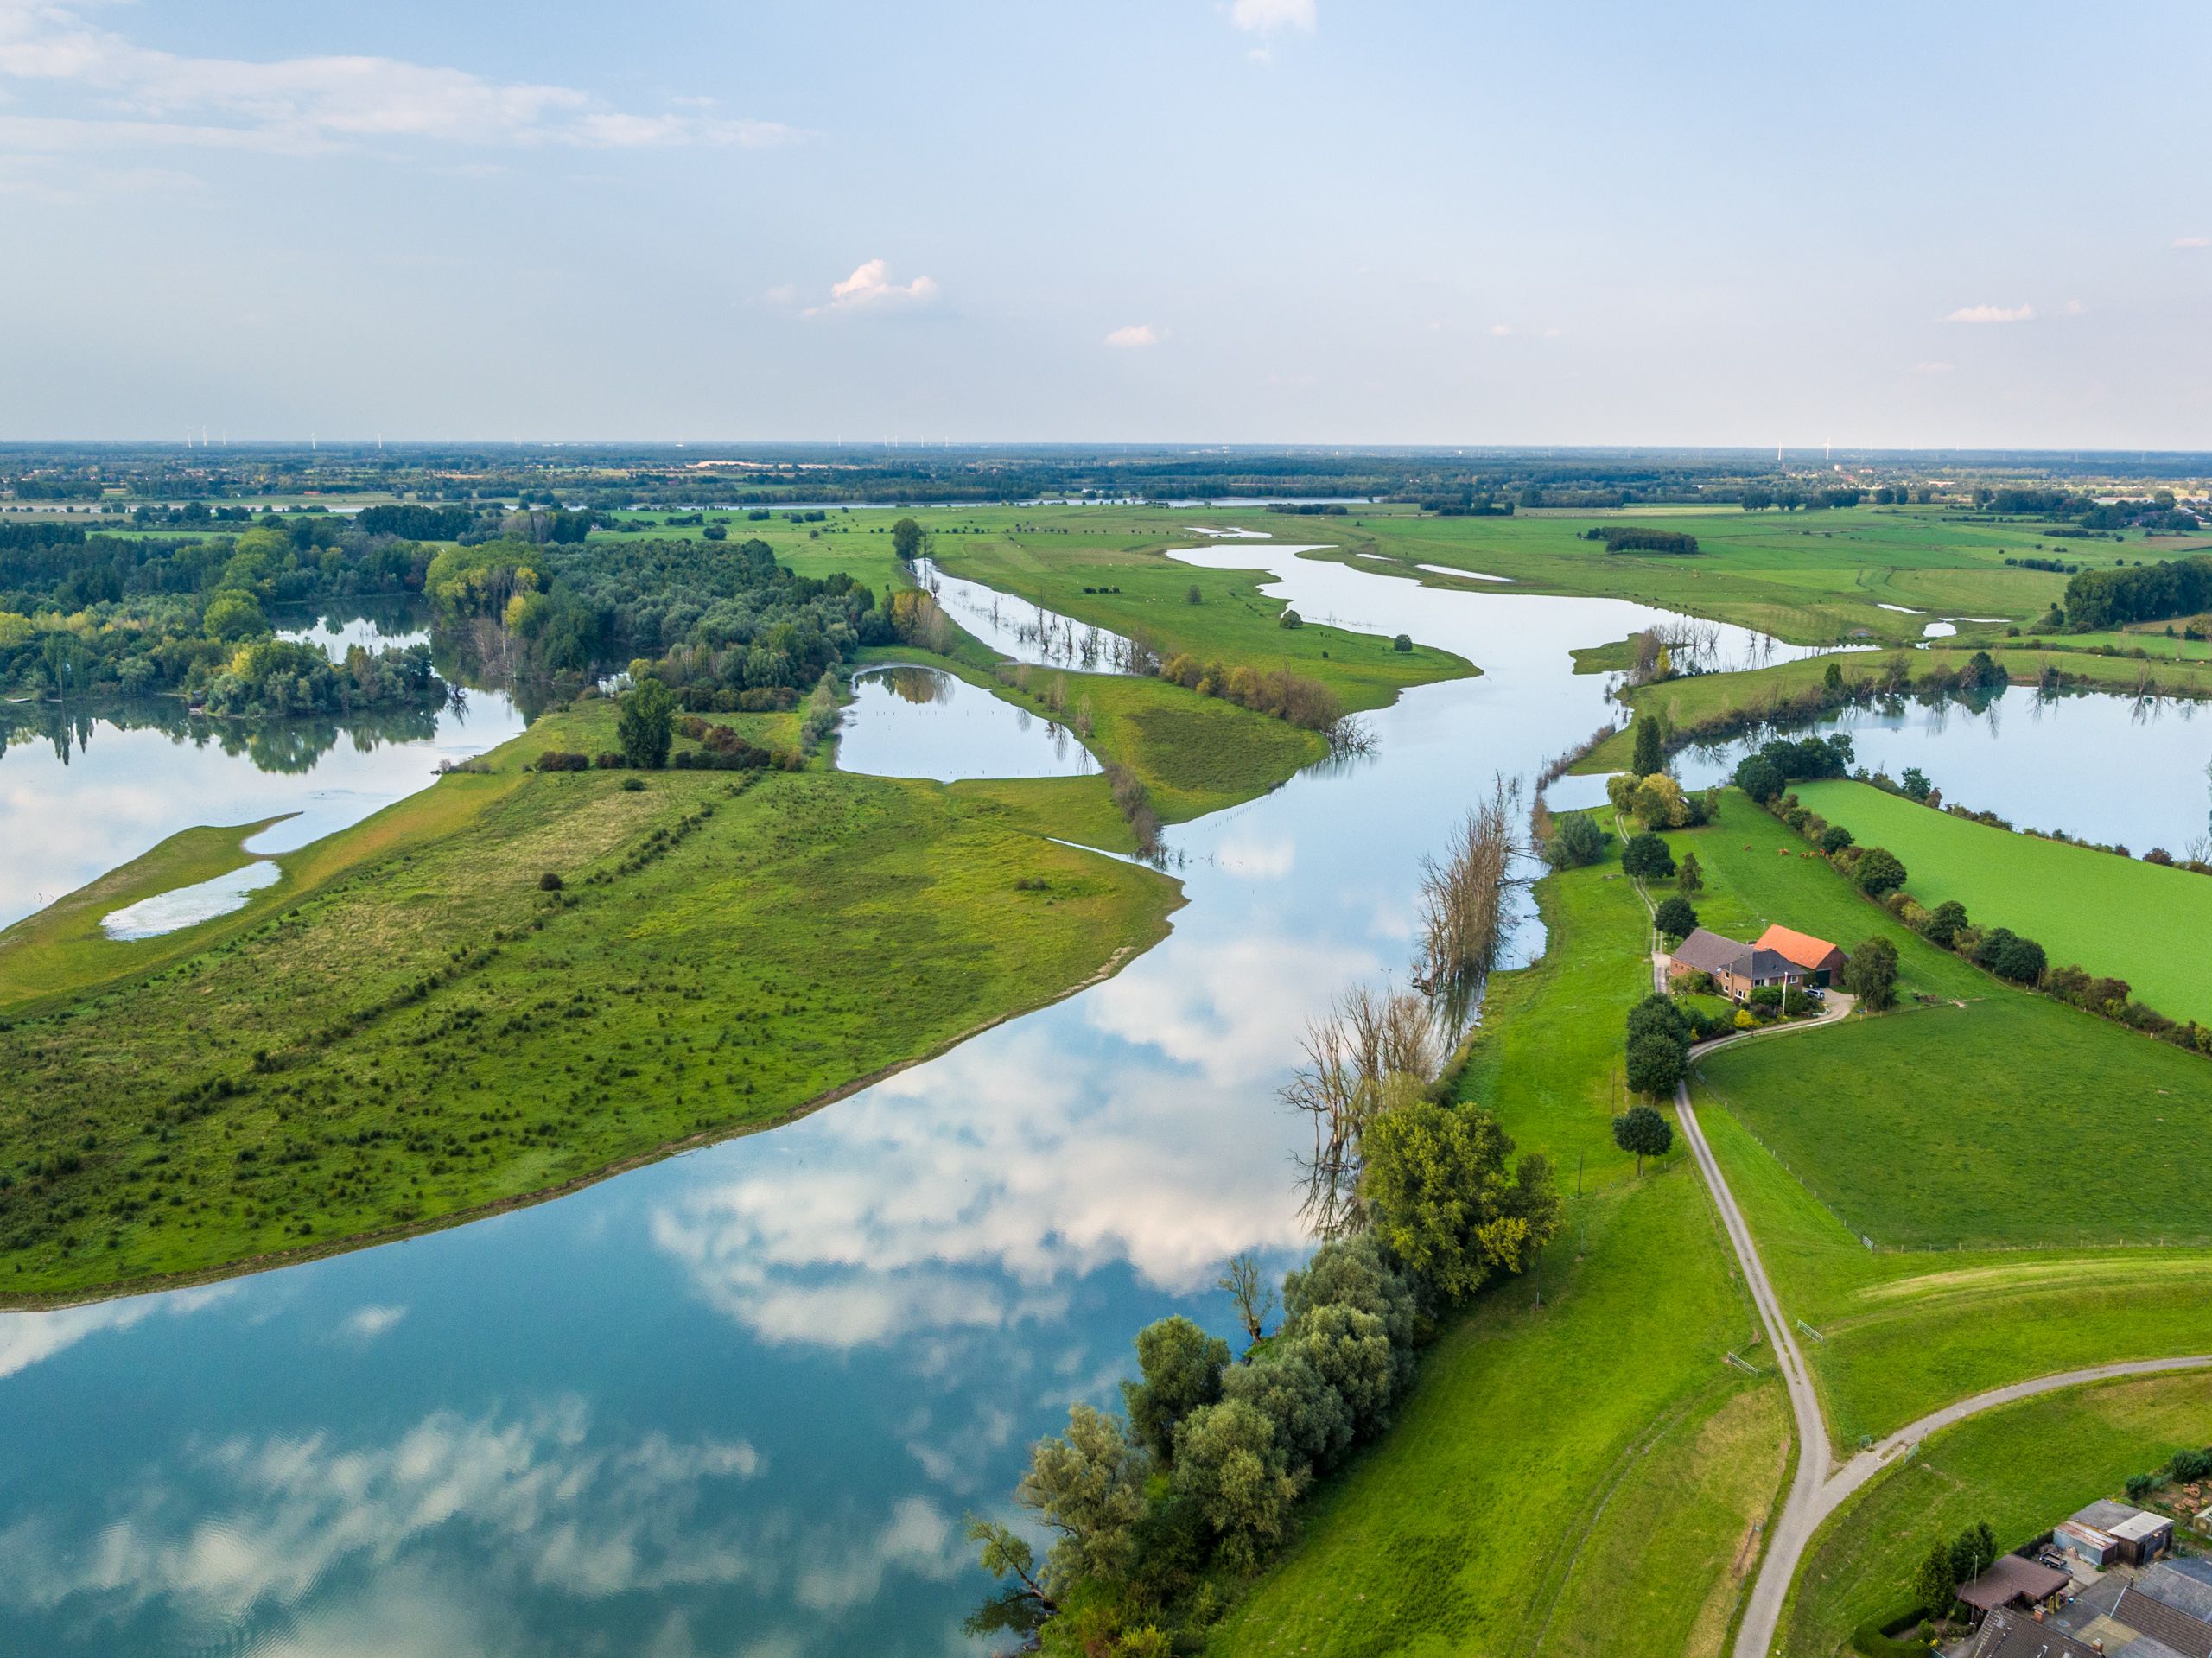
[(739, 1401)]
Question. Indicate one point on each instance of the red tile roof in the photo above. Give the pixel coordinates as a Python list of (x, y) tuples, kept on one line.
[(1802, 949)]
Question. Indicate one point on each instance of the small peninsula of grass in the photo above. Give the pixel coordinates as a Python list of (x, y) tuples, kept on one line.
[(416, 1025)]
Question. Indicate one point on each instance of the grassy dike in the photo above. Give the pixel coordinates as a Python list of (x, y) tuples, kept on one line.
[(1578, 1477), (1952, 1136), (409, 1029)]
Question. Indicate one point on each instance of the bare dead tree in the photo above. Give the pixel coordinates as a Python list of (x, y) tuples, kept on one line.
[(1372, 1051), (1465, 920)]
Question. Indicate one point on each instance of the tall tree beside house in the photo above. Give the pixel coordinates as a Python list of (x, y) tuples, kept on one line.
[(1689, 880), (1675, 917), (1936, 1586), (1871, 974)]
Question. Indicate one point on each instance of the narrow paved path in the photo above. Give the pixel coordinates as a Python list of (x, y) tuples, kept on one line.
[(1819, 1488)]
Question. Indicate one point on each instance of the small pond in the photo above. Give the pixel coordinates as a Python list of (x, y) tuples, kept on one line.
[(1026, 633), (910, 721), (86, 788)]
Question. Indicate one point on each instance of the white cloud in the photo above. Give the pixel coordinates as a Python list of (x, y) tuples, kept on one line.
[(1265, 17), (1500, 330), (2075, 307), (369, 1323), (257, 1522), (2193, 241), (1992, 314), (870, 285), (311, 104), (27, 1338), (1134, 337)]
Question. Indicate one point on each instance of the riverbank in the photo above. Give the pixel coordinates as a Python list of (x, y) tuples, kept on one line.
[(412, 1026), (1633, 1461), (1713, 708)]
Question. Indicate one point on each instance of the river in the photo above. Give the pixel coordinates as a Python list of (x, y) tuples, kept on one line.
[(739, 1401)]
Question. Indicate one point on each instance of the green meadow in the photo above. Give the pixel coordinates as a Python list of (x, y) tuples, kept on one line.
[(2014, 1162), (2116, 916), (1960, 1118), (413, 1026)]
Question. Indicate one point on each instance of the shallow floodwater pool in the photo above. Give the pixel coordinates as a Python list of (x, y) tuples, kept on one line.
[(913, 722), (739, 1401), (93, 790)]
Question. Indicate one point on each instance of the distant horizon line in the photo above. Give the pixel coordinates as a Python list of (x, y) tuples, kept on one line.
[(1825, 453)]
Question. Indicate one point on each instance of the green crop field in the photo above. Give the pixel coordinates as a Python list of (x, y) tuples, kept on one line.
[(2114, 915), (1556, 1465), (407, 1028), (2022, 1469), (1942, 1124), (1939, 1128)]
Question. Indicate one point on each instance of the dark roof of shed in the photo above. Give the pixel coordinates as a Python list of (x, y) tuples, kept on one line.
[(2011, 1576)]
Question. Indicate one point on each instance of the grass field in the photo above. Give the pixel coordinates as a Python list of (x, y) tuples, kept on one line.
[(1944, 1125), (1809, 577), (2013, 1122), (2114, 915), (2022, 1469), (407, 1029), (1554, 1466)]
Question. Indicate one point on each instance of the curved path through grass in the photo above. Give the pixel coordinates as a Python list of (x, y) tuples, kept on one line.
[(1818, 1488)]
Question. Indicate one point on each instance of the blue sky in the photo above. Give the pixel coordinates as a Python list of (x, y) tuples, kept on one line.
[(1176, 220)]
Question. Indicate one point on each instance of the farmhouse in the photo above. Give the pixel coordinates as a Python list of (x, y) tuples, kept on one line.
[(1822, 962), (1738, 970)]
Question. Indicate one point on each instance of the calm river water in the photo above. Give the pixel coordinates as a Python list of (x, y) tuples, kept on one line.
[(738, 1402)]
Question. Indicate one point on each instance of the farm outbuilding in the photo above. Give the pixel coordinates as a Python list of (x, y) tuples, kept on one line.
[(2014, 1581), (2086, 1543), (2136, 1534), (1823, 963)]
